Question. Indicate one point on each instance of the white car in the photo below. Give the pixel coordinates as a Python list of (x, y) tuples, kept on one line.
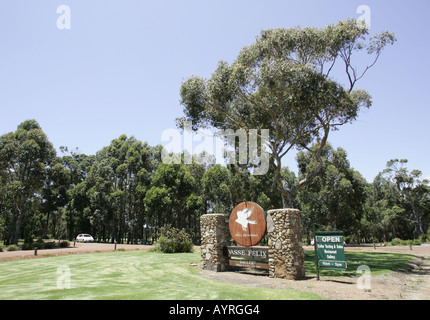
[(84, 238)]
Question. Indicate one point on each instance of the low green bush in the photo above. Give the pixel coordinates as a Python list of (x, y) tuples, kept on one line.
[(400, 242), (12, 247), (396, 242), (424, 238), (49, 245), (173, 240), (28, 243), (64, 244), (39, 243)]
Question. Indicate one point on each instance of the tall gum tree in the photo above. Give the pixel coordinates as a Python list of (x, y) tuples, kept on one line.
[(25, 156), (283, 83)]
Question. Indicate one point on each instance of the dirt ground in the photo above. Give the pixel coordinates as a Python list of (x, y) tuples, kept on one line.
[(78, 248), (412, 284)]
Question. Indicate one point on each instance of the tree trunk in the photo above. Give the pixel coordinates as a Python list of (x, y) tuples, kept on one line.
[(18, 224), (47, 224), (418, 223)]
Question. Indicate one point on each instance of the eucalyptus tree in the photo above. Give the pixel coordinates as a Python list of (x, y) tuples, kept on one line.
[(283, 82), (413, 193), (171, 194), (109, 201), (336, 197), (56, 196), (25, 156), (216, 183), (78, 165)]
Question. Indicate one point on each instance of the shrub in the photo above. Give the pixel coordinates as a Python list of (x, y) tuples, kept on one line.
[(49, 245), (399, 242), (173, 240), (416, 242), (39, 243), (28, 243), (396, 242), (424, 238), (64, 244), (12, 247)]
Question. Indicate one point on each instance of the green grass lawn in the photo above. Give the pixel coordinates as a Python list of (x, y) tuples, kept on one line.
[(149, 275), (124, 275), (378, 262)]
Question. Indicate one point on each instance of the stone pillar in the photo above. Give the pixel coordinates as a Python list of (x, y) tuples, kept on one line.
[(215, 236), (286, 255)]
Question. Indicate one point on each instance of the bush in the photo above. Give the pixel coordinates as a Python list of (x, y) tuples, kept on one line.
[(39, 243), (424, 238), (173, 240), (396, 242), (12, 247), (416, 242), (49, 245), (400, 242), (28, 243), (64, 244)]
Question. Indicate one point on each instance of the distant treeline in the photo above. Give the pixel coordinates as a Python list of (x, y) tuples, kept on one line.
[(125, 193)]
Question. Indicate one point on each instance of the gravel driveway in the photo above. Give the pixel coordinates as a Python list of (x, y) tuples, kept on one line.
[(77, 249)]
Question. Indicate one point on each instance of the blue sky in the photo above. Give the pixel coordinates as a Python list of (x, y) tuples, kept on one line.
[(119, 68)]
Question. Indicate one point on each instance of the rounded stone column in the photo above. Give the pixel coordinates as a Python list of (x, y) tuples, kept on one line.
[(215, 236), (286, 255)]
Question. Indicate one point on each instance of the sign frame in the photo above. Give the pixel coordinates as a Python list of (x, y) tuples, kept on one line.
[(329, 251), (247, 224), (256, 257)]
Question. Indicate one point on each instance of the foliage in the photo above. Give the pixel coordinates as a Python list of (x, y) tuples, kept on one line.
[(48, 245), (64, 244), (398, 204), (125, 193), (282, 83), (173, 240), (25, 156), (12, 247), (28, 243), (400, 242), (424, 238), (335, 198)]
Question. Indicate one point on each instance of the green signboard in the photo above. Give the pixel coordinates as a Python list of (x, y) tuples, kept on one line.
[(329, 250)]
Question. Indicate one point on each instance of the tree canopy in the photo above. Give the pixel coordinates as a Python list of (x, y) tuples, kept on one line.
[(126, 193), (283, 83)]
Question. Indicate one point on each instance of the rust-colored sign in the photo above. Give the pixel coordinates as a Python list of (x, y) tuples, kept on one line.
[(247, 224)]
